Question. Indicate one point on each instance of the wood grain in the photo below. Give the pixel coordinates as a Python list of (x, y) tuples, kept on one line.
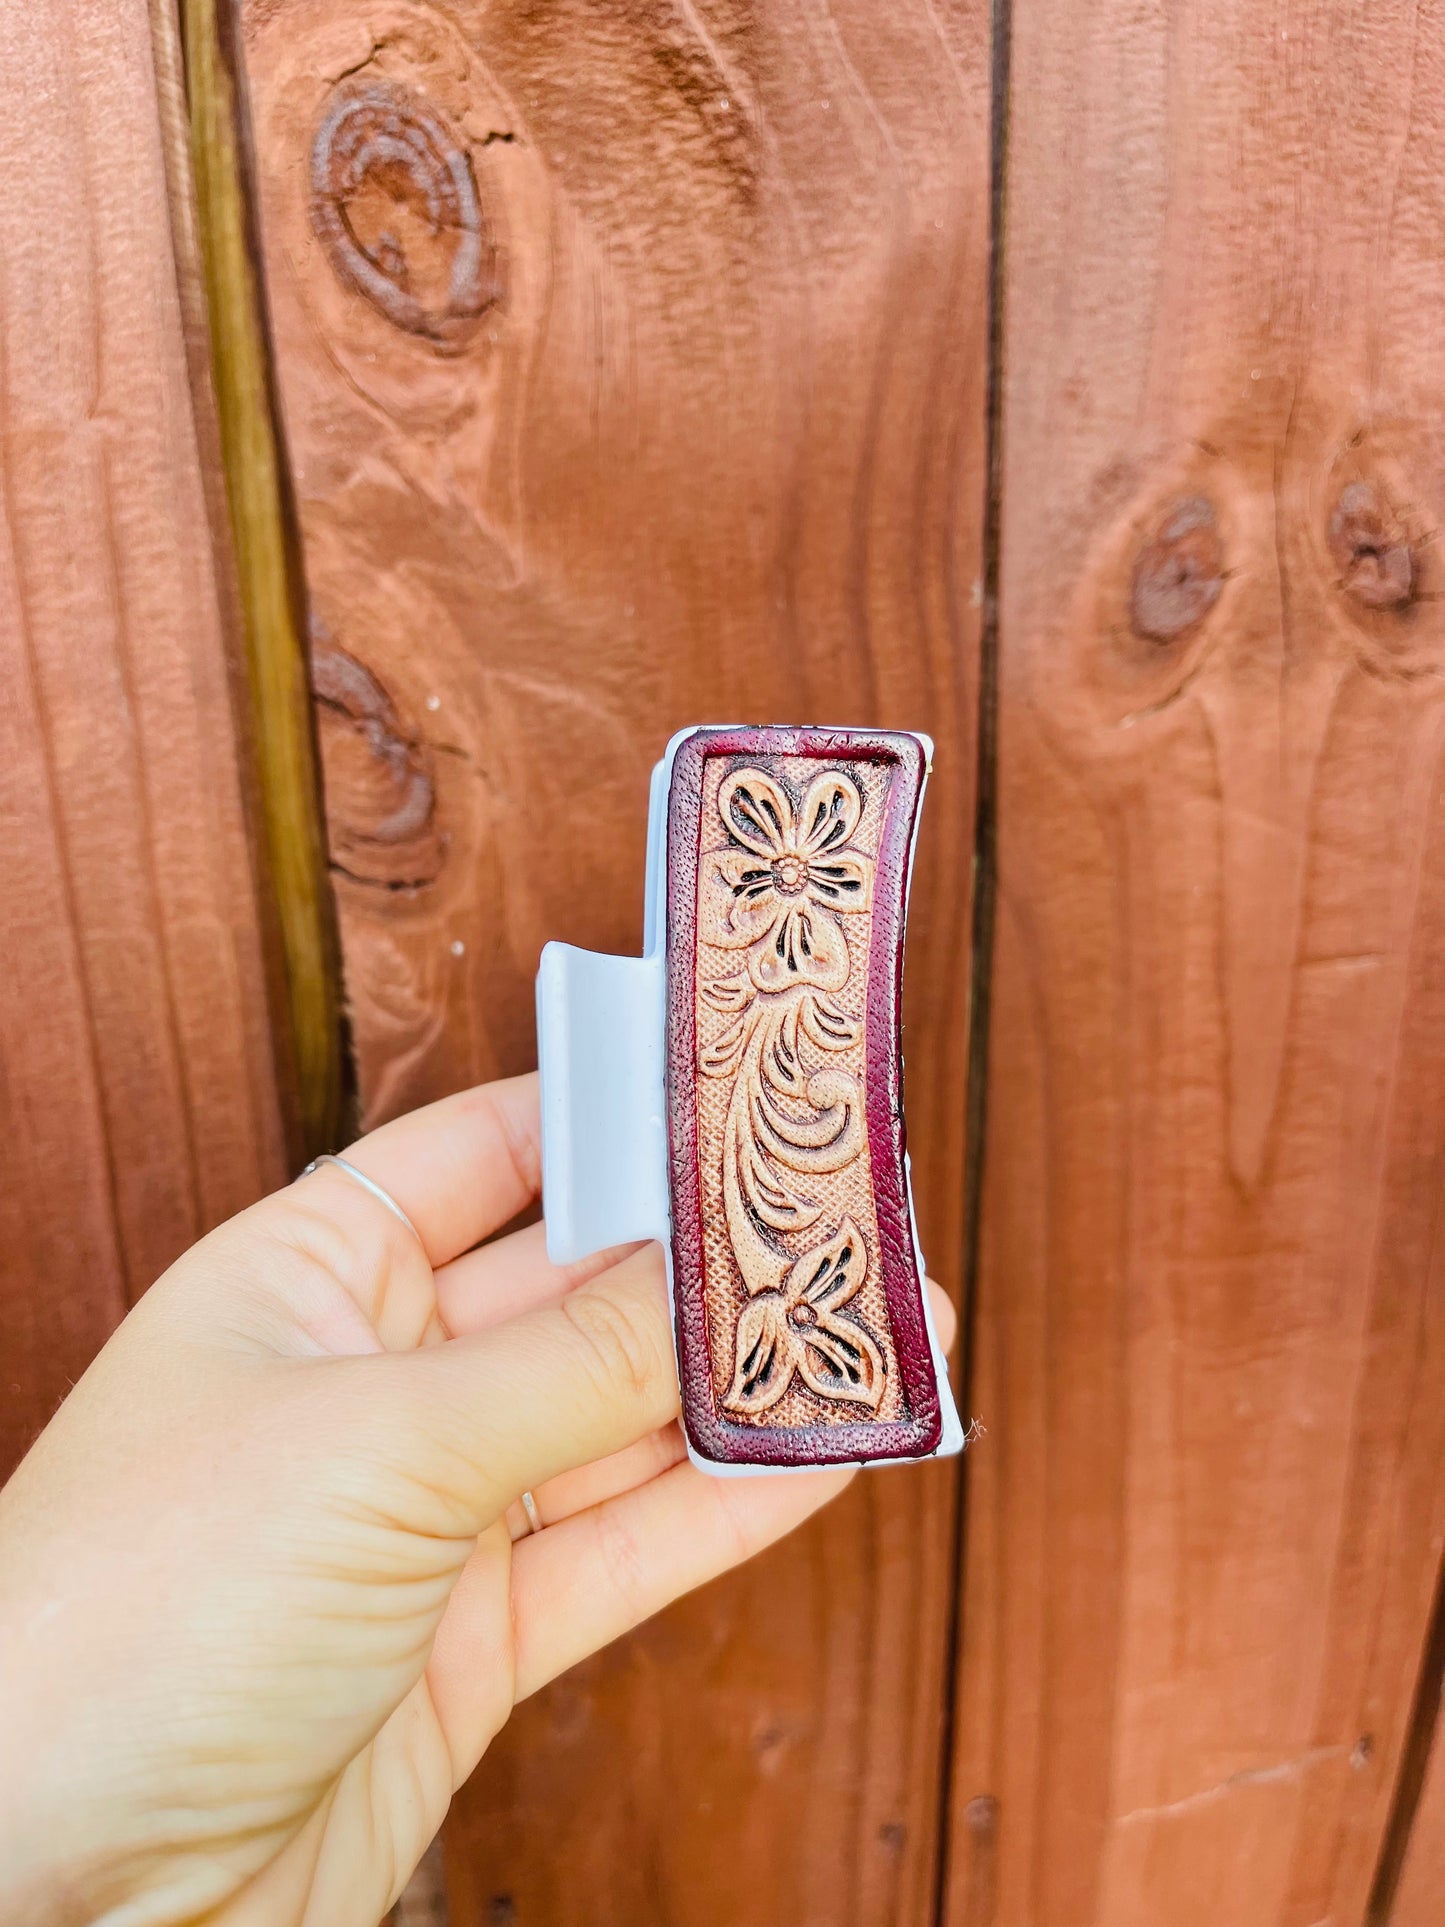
[(138, 1095), (1204, 1531), (632, 361)]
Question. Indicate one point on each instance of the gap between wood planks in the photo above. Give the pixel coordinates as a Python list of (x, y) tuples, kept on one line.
[(984, 1809), (287, 787), (1414, 1757)]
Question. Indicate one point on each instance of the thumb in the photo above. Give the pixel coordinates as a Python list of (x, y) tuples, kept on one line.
[(480, 1419)]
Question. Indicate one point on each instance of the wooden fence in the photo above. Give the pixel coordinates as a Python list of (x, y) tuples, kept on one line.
[(531, 380)]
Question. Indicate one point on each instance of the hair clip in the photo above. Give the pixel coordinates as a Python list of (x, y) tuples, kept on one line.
[(736, 1093)]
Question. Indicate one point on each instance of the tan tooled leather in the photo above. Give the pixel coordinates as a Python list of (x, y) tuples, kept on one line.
[(801, 1334)]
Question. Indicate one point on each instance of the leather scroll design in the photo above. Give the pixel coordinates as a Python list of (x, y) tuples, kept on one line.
[(790, 858), (778, 893)]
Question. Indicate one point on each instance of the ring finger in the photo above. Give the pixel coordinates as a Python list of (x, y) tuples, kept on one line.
[(608, 1478), (621, 1472)]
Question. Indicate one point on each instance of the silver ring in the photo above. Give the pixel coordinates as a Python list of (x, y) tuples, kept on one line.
[(534, 1517), (367, 1184)]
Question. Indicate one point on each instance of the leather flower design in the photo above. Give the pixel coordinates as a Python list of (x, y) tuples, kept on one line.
[(793, 875), (797, 1329), (795, 1118)]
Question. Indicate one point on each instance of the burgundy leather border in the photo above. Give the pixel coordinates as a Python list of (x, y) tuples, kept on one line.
[(712, 1433)]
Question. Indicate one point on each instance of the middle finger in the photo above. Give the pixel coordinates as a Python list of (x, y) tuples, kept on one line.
[(511, 1275)]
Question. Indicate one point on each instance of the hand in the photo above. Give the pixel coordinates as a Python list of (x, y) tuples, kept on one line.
[(263, 1594)]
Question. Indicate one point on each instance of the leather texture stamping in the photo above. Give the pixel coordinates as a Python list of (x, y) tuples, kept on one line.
[(801, 1331)]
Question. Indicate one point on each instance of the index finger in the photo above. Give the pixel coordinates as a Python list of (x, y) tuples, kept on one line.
[(462, 1167)]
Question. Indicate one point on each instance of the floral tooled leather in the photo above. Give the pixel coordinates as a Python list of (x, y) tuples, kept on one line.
[(800, 1325)]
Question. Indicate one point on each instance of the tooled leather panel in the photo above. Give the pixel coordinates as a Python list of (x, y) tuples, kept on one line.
[(799, 1316)]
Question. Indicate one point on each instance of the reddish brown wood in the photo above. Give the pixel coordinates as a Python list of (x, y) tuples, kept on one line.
[(670, 412), (1204, 1529), (138, 1100)]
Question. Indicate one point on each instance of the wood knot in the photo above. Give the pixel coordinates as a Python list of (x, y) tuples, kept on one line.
[(1371, 548), (1179, 572), (380, 795), (395, 204)]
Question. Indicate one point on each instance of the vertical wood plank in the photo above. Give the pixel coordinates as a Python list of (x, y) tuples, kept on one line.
[(632, 362), (138, 1094), (1204, 1529)]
